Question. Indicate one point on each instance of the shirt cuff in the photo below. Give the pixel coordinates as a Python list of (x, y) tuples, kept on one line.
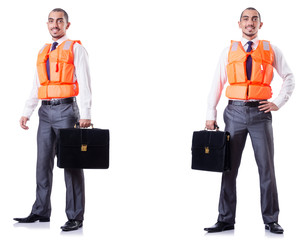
[(280, 101), (27, 112)]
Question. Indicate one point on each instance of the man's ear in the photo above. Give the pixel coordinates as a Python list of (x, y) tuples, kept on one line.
[(261, 24)]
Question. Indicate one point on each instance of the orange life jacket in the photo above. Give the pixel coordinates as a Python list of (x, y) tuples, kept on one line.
[(61, 63), (258, 87)]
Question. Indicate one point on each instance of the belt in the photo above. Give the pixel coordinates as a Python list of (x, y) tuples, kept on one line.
[(243, 103), (54, 102)]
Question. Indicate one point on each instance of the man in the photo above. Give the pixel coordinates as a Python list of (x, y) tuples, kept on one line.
[(62, 73), (248, 67)]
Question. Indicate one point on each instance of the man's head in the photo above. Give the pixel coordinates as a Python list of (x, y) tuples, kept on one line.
[(250, 23), (57, 23)]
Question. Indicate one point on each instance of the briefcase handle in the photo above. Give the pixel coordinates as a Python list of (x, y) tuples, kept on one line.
[(77, 125), (216, 128)]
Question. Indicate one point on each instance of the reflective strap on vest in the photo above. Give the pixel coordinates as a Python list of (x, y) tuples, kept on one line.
[(266, 46), (235, 46), (43, 48), (67, 45)]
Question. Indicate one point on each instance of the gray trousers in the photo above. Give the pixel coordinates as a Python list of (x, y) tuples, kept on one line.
[(52, 118), (240, 121)]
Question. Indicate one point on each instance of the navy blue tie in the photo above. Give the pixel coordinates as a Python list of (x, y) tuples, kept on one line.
[(249, 61), (47, 61)]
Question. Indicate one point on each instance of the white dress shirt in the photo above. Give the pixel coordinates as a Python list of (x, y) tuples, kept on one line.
[(220, 79), (81, 73)]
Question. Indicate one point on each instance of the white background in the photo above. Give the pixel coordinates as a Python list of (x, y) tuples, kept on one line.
[(152, 64)]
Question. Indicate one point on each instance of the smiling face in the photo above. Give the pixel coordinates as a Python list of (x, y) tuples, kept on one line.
[(57, 25), (250, 24)]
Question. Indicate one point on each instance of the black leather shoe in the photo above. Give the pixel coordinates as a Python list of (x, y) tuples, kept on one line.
[(72, 225), (219, 227), (32, 218), (274, 227)]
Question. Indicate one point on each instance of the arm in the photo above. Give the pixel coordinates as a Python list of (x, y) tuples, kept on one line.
[(31, 103), (214, 96), (83, 77), (288, 84)]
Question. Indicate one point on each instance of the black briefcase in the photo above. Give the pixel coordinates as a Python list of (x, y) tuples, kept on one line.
[(83, 148), (210, 151)]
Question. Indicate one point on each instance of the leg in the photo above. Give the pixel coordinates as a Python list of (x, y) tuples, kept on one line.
[(261, 134), (234, 118), (68, 115), (45, 163), (75, 197)]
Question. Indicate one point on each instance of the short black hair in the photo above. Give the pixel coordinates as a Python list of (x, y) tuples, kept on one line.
[(61, 10), (250, 8)]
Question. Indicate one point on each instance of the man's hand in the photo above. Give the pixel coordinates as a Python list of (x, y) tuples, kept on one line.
[(23, 120), (210, 124), (84, 123), (268, 106)]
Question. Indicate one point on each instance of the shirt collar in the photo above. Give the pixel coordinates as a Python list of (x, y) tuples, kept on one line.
[(61, 40), (255, 42)]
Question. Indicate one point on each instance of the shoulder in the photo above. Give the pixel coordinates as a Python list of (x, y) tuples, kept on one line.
[(274, 47), (225, 50), (78, 44), (224, 53), (78, 48), (277, 51), (44, 46), (233, 44)]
